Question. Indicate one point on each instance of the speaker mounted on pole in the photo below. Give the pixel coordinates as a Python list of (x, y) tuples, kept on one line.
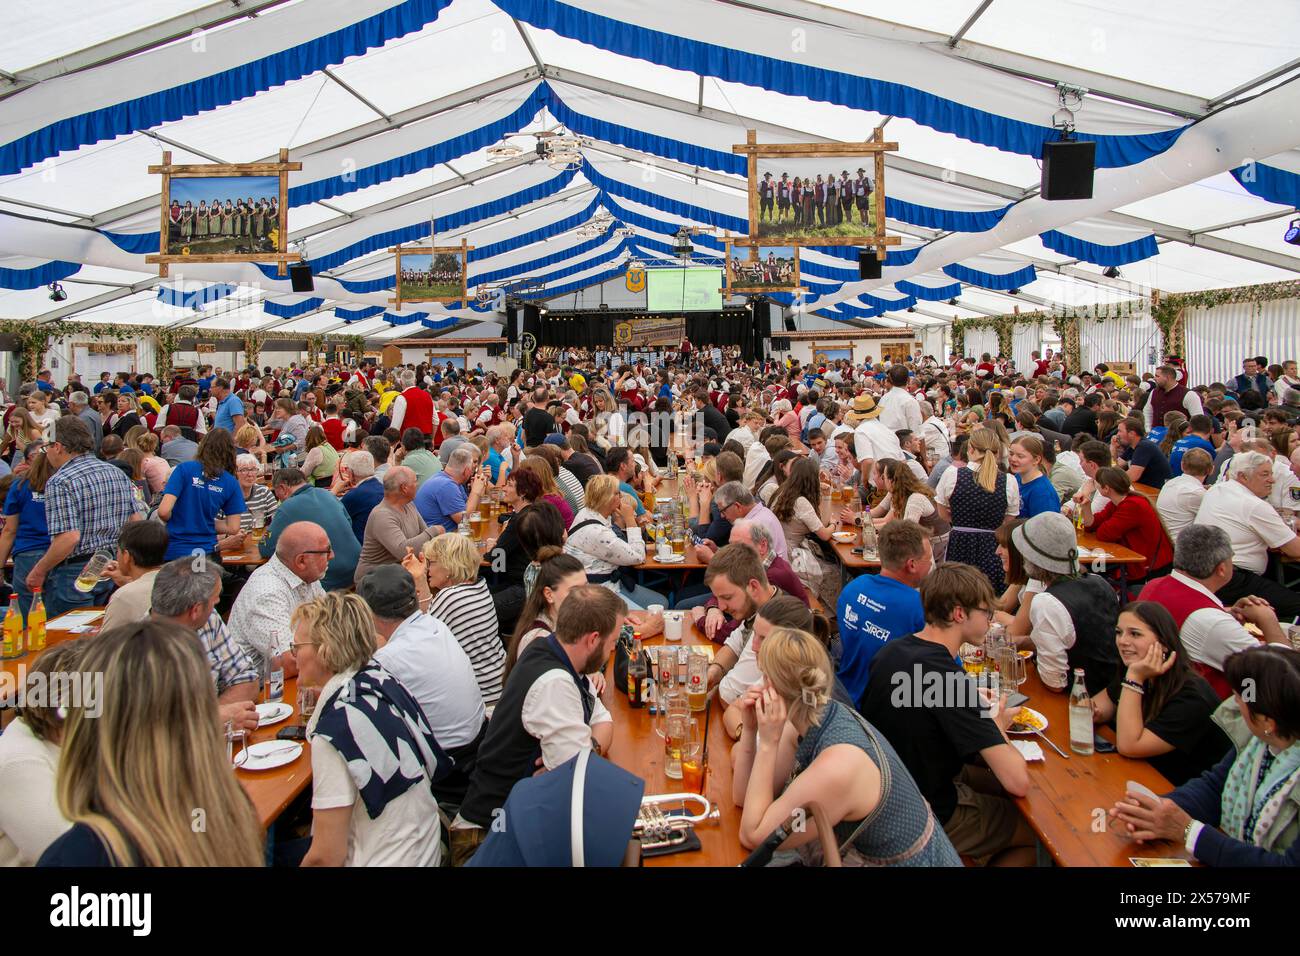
[(1068, 166), (868, 265), (300, 277)]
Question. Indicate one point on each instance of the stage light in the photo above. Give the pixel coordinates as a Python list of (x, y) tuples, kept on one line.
[(911, 308), (952, 301), (1111, 272), (1292, 234), (56, 292), (1015, 291)]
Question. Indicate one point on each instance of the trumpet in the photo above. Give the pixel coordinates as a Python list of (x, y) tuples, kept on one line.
[(657, 829)]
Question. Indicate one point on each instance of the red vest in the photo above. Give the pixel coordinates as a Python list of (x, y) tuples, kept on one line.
[(419, 410), (1181, 601), (1162, 401), (334, 428), (184, 416)]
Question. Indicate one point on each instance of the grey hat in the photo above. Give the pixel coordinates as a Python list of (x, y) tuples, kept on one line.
[(390, 591), (1048, 541)]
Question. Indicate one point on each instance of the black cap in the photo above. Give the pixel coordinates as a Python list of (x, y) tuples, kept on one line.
[(390, 591)]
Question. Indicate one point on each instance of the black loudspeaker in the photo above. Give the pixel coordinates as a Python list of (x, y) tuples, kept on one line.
[(1067, 169), (533, 322), (780, 345), (496, 348), (512, 324), (300, 277), (789, 324), (868, 265)]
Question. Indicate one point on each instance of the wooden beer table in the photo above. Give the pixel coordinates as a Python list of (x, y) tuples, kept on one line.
[(639, 750), (56, 632), (248, 556), (1068, 799), (273, 790)]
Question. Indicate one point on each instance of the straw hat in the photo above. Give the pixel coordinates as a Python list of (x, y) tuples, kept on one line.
[(864, 408)]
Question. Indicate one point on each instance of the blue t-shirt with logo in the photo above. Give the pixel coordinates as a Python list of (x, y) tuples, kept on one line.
[(29, 506), (199, 499), (872, 610), (1183, 446)]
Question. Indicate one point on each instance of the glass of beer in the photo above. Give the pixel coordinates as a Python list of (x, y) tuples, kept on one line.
[(697, 681), (476, 526), (676, 723), (259, 527), (89, 577), (648, 500), (306, 702), (972, 658), (692, 760), (485, 508), (679, 542)]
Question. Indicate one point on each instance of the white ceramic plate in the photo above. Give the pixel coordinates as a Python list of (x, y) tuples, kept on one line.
[(844, 537), (1013, 729), (675, 559), (268, 755), (273, 713)]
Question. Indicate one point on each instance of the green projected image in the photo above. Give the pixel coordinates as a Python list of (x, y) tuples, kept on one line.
[(694, 289)]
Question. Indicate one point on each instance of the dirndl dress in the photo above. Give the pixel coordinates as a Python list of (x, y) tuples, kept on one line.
[(976, 515)]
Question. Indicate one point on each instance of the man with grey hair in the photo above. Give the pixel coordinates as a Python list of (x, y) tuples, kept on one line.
[(1210, 632), (735, 502), (357, 488), (394, 526), (186, 591), (1239, 505), (260, 618), (413, 408), (380, 450), (442, 500), (176, 448), (79, 405), (757, 538), (451, 439)]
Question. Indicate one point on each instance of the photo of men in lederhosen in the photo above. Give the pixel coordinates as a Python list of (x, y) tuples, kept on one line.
[(801, 200), (428, 277), (223, 215)]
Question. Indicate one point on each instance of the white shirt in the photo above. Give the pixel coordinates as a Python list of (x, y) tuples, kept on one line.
[(200, 425), (1191, 405), (601, 550), (756, 456), (743, 437), (1178, 503), (407, 833), (937, 440), (873, 439), (1212, 635), (1052, 631), (745, 671), (948, 484), (898, 410), (259, 621), (426, 657), (1253, 526), (29, 813), (1284, 480), (552, 712)]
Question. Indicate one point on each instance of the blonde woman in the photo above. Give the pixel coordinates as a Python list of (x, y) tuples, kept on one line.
[(249, 439), (793, 731), (603, 552), (39, 408), (976, 500), (154, 469), (128, 415), (23, 430), (321, 461), (367, 727), (449, 589), (134, 770)]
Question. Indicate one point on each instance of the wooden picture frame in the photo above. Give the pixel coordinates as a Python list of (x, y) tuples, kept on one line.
[(734, 283), (410, 296), (817, 349), (875, 148), (167, 244)]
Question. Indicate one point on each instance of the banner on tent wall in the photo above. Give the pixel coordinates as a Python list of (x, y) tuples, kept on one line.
[(818, 194), (224, 212), (649, 333)]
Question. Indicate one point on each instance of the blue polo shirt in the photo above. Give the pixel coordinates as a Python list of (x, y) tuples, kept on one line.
[(198, 501), (359, 502), (45, 386), (33, 533), (494, 461), (226, 412), (1182, 447), (872, 610), (1037, 496), (439, 498), (628, 489), (100, 386)]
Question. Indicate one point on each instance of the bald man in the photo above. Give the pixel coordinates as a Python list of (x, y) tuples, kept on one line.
[(259, 621)]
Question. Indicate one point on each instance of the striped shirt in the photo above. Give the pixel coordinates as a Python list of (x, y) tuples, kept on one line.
[(92, 497), (260, 501), (227, 662), (571, 488), (468, 610)]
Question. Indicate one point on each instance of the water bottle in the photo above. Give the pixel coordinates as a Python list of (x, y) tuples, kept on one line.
[(275, 681), (1080, 716)]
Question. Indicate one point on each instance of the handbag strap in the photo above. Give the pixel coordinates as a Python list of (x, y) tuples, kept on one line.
[(576, 811)]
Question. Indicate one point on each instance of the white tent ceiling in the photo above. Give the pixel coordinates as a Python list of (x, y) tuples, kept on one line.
[(408, 110)]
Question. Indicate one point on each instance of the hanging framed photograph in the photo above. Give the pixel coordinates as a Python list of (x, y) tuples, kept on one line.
[(818, 194), (762, 269), (225, 212), (432, 273)]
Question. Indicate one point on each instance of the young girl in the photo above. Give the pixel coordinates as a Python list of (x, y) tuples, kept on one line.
[(909, 498), (976, 500), (1037, 493)]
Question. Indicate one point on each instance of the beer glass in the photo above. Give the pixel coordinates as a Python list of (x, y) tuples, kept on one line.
[(259, 527), (306, 702), (231, 736), (89, 577), (476, 526), (485, 507), (1011, 667), (679, 542), (697, 681), (692, 759), (676, 725), (972, 658)]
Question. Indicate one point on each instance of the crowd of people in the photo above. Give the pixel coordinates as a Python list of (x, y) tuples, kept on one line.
[(451, 670)]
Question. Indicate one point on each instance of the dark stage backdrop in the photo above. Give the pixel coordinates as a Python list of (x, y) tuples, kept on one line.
[(595, 330)]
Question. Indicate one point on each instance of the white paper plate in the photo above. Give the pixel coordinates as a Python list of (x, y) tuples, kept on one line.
[(273, 713), (844, 537), (268, 755), (674, 559)]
